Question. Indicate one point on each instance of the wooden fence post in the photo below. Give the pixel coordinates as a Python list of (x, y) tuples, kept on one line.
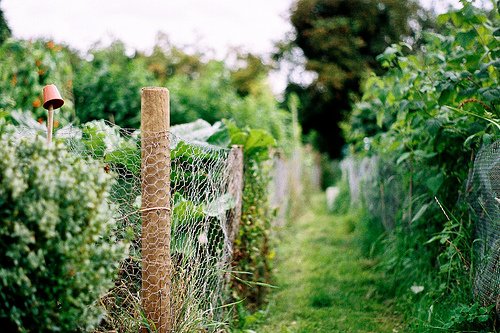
[(235, 189), (156, 213)]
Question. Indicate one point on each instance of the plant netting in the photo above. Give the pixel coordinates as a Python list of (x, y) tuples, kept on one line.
[(484, 197), (200, 210)]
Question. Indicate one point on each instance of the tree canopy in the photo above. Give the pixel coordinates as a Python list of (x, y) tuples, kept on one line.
[(340, 40), (4, 28)]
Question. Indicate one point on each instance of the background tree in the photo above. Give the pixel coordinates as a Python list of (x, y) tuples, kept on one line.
[(108, 87), (340, 40), (249, 77), (4, 28)]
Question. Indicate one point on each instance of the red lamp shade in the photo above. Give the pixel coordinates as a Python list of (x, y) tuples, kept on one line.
[(52, 97)]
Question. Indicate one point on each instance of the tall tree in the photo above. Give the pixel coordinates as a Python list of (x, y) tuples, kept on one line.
[(4, 28), (340, 40)]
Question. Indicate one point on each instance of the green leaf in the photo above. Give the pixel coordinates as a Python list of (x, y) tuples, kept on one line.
[(186, 151), (128, 156), (380, 119), (187, 211), (259, 138), (239, 138), (434, 183), (221, 137), (257, 144), (445, 96), (420, 212), (466, 38), (491, 94), (403, 158)]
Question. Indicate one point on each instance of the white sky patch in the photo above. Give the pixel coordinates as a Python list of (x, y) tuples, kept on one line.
[(212, 25)]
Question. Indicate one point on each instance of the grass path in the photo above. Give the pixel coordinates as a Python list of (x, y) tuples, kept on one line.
[(325, 285)]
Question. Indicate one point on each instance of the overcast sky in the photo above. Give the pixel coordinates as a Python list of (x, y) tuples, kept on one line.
[(215, 24), (252, 25)]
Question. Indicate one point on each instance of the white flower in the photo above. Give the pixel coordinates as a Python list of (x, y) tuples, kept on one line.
[(417, 289)]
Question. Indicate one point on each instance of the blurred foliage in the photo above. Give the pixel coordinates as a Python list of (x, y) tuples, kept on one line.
[(252, 254), (4, 28), (59, 254), (340, 40), (427, 117), (250, 76), (168, 60), (25, 68), (108, 86), (106, 82), (331, 173), (210, 90)]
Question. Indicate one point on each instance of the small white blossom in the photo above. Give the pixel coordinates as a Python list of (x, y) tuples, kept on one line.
[(417, 289)]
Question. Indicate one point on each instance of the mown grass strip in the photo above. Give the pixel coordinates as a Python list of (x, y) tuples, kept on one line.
[(325, 284)]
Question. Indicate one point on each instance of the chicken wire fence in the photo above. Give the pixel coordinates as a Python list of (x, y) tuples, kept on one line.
[(200, 199), (484, 198), (279, 187), (378, 186), (292, 179)]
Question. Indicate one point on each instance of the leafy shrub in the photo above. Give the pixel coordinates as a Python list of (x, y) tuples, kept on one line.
[(27, 66), (426, 118), (59, 254), (252, 249), (212, 96), (252, 254), (108, 87)]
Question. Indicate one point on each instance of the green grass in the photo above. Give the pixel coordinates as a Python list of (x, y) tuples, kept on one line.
[(324, 283)]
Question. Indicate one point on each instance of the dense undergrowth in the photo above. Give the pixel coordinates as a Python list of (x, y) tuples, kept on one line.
[(237, 108), (324, 283), (58, 255), (423, 122)]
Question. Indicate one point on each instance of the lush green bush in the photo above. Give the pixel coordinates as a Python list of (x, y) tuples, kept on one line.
[(252, 248), (108, 87), (59, 254), (427, 117), (212, 96), (25, 68)]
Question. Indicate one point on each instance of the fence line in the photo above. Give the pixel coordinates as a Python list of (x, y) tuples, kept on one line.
[(378, 187), (178, 202), (483, 190)]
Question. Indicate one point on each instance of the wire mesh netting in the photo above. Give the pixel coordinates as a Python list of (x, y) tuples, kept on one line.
[(199, 203), (484, 197), (376, 185), (279, 188)]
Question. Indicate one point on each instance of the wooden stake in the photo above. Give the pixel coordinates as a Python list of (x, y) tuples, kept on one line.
[(156, 214), (50, 123), (235, 189)]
